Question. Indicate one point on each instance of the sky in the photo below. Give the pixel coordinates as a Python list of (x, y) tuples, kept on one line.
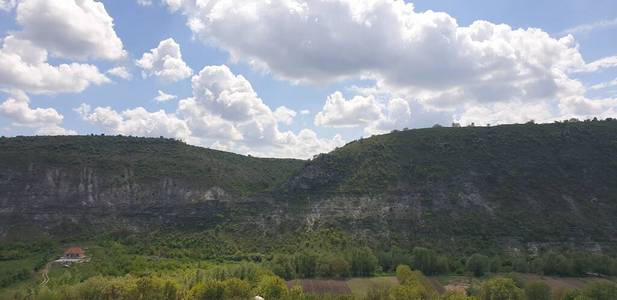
[(294, 78)]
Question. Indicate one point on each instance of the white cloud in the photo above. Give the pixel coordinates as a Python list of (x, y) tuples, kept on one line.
[(46, 121), (220, 95), (305, 112), (421, 56), (165, 62), (315, 40), (590, 27), (24, 66), (136, 121), (164, 97), (364, 111), (120, 72), (7, 5), (225, 113), (603, 63), (76, 29), (284, 115), (338, 112), (144, 2), (604, 85)]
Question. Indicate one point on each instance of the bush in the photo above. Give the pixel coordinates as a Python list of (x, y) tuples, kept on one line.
[(500, 289), (236, 289), (601, 291), (271, 287), (456, 296), (209, 290), (537, 291)]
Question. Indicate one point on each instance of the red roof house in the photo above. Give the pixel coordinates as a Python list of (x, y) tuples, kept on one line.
[(74, 252)]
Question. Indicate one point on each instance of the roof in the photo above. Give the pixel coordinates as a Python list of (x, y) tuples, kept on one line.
[(75, 250)]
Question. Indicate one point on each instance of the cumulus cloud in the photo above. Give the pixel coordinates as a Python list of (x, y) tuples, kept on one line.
[(165, 62), (24, 66), (137, 121), (225, 113), (305, 112), (75, 29), (364, 111), (285, 115), (45, 121), (345, 38), (221, 95), (164, 97), (422, 56), (120, 72), (7, 5), (338, 112)]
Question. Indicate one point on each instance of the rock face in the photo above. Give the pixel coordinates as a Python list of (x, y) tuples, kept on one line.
[(69, 185), (507, 185)]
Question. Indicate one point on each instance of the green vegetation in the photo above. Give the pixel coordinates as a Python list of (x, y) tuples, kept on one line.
[(164, 220), (148, 159)]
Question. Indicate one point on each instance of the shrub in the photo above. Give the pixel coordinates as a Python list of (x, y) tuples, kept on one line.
[(500, 289), (271, 287), (537, 291)]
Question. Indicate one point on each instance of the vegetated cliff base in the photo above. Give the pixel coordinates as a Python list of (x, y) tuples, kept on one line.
[(512, 186)]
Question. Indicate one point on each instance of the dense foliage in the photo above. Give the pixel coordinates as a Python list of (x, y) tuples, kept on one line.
[(148, 159)]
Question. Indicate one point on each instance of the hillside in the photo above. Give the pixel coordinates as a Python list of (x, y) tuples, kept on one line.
[(550, 183), (514, 187), (116, 181)]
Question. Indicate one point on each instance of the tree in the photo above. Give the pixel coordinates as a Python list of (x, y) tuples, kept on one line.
[(404, 274), (155, 288), (557, 264), (424, 260), (519, 264), (456, 296), (363, 262), (306, 265), (416, 292), (332, 266), (271, 287), (495, 264), (283, 266), (500, 289), (537, 291), (236, 289), (413, 285), (209, 290), (477, 264)]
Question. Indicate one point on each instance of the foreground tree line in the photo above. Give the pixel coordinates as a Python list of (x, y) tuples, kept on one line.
[(249, 280), (365, 262)]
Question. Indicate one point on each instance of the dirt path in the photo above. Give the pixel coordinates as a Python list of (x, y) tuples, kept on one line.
[(45, 275)]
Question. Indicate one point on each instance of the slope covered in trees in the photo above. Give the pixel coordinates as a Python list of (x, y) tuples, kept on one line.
[(549, 183), (510, 187)]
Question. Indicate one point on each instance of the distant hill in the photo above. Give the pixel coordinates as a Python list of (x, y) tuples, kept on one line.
[(512, 187)]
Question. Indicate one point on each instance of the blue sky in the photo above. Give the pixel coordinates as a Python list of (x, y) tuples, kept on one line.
[(297, 78)]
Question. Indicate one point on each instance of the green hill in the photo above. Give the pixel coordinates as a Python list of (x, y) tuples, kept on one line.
[(510, 187), (550, 183)]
